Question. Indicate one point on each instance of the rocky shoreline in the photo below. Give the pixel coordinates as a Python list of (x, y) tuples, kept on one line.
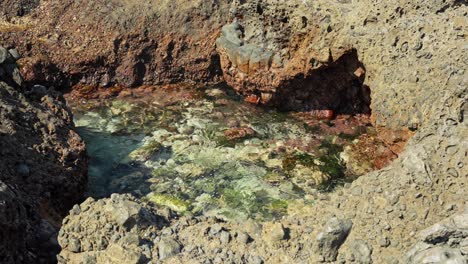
[(405, 62), (43, 168)]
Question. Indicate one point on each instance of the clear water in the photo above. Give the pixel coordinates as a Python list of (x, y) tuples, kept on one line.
[(206, 151)]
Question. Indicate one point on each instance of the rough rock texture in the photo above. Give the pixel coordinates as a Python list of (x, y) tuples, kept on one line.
[(293, 49), (114, 229), (12, 8), (43, 166), (410, 55), (444, 242), (415, 61), (128, 43)]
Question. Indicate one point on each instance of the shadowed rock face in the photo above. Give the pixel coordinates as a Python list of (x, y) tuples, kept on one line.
[(43, 166)]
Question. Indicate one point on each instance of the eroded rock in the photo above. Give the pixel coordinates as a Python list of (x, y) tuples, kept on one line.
[(42, 169), (444, 242), (332, 237)]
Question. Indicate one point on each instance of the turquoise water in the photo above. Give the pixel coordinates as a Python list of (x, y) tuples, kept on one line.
[(208, 152)]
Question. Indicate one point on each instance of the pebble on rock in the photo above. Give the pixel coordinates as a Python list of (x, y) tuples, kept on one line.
[(168, 247)]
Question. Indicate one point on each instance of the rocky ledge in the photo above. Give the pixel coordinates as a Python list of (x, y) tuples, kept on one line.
[(43, 166)]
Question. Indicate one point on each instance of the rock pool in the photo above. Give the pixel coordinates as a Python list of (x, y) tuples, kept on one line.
[(206, 151)]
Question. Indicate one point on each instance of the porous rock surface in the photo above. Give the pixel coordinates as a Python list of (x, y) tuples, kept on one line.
[(444, 242), (128, 43), (42, 170), (413, 57), (309, 52), (410, 56)]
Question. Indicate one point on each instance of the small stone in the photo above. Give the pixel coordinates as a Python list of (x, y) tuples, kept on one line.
[(273, 232), (39, 90), (109, 226), (359, 72), (3, 54), (168, 247), (332, 237), (361, 252), (225, 237), (12, 70), (384, 242), (115, 237), (215, 229), (14, 53), (74, 245), (131, 239), (243, 238), (76, 210)]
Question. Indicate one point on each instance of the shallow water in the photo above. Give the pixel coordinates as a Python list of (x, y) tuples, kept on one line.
[(208, 152)]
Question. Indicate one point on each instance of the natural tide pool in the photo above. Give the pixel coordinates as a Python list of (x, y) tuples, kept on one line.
[(206, 151)]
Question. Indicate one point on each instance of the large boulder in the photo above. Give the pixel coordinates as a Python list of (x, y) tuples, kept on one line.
[(128, 43)]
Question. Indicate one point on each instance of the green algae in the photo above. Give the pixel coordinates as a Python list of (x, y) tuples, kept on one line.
[(190, 166), (169, 201), (252, 204), (146, 151)]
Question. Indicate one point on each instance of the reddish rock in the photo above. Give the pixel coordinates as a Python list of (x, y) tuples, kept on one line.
[(124, 43), (323, 114), (253, 99), (239, 133), (360, 72)]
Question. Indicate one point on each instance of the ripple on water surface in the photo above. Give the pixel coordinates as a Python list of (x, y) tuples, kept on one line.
[(205, 151)]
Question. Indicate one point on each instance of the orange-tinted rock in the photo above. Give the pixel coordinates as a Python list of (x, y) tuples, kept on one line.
[(253, 99), (239, 133), (395, 139), (359, 72), (323, 114)]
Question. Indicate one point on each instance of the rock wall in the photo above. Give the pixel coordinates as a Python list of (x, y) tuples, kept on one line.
[(398, 44), (43, 166), (128, 43)]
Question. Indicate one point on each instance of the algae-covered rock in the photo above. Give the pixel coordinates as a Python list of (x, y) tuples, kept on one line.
[(149, 148), (169, 201), (311, 175), (189, 170)]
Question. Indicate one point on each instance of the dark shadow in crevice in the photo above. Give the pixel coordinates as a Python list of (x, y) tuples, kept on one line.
[(338, 86)]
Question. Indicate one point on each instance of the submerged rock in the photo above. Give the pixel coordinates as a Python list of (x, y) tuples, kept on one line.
[(169, 201)]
